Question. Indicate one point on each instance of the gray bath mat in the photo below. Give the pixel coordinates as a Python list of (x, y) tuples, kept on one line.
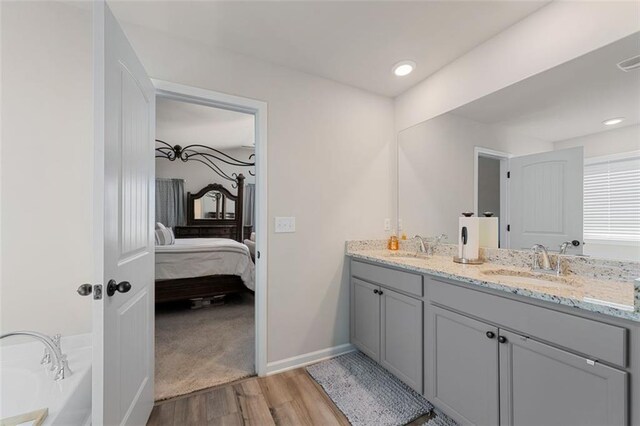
[(366, 393)]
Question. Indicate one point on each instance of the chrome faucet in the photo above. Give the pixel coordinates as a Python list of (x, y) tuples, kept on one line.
[(423, 247), (427, 246), (52, 352), (546, 262)]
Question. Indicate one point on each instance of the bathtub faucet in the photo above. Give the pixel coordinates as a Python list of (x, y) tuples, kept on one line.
[(52, 352)]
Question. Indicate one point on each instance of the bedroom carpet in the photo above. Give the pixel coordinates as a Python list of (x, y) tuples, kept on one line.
[(197, 349)]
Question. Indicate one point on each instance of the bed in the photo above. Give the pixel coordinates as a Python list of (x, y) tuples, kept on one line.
[(202, 267), (206, 267)]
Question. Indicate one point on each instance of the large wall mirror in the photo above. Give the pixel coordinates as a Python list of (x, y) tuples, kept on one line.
[(555, 158)]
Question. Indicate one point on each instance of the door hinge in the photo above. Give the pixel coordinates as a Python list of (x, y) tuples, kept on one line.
[(508, 228), (591, 361), (508, 175)]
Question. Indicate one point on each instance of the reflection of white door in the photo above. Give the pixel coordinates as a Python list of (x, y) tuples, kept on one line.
[(123, 322), (545, 199)]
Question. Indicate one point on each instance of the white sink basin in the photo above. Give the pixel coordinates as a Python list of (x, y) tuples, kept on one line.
[(405, 255), (531, 278)]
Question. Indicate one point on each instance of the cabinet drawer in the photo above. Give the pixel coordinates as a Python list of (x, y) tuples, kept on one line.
[(397, 280), (592, 338)]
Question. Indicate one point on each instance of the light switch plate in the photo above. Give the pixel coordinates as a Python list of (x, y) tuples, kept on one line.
[(285, 224)]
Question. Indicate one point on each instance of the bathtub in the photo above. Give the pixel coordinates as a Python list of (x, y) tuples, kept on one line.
[(26, 385)]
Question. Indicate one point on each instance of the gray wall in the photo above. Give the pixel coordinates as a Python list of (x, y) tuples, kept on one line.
[(488, 185)]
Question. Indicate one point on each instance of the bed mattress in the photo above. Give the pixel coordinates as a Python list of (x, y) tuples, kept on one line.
[(199, 257)]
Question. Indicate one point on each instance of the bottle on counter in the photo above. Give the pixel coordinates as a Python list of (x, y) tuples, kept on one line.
[(393, 242)]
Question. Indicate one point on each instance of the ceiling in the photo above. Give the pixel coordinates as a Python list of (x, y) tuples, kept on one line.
[(352, 42), (570, 100), (181, 123)]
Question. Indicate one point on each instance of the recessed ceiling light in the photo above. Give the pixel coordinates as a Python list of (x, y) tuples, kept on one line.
[(612, 121), (404, 68)]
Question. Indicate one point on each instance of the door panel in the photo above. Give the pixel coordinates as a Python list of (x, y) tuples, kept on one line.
[(123, 322), (464, 368), (546, 199), (401, 337), (366, 318), (543, 385)]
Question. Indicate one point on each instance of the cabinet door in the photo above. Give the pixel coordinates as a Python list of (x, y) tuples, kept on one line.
[(401, 337), (463, 370), (366, 318), (543, 385)]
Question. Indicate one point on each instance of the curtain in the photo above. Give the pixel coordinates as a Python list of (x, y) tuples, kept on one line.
[(170, 202), (249, 204)]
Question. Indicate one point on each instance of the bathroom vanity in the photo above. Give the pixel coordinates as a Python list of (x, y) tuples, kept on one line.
[(488, 351)]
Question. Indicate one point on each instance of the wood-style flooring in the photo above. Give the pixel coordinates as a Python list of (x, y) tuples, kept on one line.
[(290, 398)]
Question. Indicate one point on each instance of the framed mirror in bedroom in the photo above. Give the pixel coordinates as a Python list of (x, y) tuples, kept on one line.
[(215, 212)]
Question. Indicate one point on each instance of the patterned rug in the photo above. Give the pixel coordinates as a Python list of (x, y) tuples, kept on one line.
[(366, 393)]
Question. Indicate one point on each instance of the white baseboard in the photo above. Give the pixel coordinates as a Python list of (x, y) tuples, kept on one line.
[(308, 358)]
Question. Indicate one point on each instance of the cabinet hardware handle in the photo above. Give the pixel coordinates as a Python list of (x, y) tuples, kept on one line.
[(502, 339), (380, 292), (491, 334), (375, 291)]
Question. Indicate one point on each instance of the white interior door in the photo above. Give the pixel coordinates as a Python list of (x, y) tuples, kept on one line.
[(123, 361), (545, 199)]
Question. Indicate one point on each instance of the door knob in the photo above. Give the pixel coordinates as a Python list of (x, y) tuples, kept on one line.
[(502, 339), (375, 291), (380, 292), (121, 287), (490, 334), (85, 289)]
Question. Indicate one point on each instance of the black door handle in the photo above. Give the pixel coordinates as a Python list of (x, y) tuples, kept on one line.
[(375, 291), (490, 334), (121, 287), (502, 339), (380, 292)]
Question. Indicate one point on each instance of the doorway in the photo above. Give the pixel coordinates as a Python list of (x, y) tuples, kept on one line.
[(230, 204), (490, 188)]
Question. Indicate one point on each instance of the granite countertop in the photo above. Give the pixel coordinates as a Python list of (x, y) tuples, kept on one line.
[(615, 298)]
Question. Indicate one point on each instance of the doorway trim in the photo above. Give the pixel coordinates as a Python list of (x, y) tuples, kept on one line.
[(504, 157), (258, 109)]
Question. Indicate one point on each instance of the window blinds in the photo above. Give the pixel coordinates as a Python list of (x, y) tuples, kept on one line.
[(612, 198)]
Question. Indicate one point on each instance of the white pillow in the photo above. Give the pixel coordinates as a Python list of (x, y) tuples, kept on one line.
[(165, 237), (160, 226)]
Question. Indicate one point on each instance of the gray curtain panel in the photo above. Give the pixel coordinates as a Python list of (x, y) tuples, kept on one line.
[(249, 204), (170, 202)]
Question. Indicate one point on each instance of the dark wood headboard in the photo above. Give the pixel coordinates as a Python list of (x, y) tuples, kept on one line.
[(215, 227)]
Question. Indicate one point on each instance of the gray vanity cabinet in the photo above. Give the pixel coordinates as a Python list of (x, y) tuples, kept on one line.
[(386, 323), (365, 312), (401, 337), (543, 385), (481, 371), (463, 367)]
